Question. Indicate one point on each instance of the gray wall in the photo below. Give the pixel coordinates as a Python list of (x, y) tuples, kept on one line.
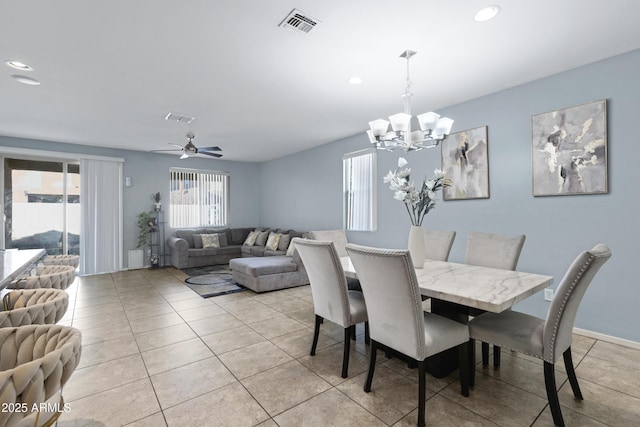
[(149, 173), (304, 190)]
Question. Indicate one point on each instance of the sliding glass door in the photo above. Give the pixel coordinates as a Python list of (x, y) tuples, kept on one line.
[(42, 205)]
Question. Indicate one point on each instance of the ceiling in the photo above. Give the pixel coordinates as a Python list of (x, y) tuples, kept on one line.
[(110, 71)]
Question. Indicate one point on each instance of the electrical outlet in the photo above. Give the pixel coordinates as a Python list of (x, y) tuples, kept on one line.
[(548, 294)]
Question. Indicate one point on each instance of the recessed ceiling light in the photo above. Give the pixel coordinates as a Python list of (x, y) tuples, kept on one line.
[(26, 80), (355, 80), (486, 13), (18, 65)]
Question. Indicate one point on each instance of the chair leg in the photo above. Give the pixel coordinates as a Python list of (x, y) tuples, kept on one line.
[(422, 370), (552, 394), (367, 337), (571, 373), (372, 366), (485, 354), (345, 354), (463, 362), (316, 333), (496, 356), (353, 332), (472, 362)]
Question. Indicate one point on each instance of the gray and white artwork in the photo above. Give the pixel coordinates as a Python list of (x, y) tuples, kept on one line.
[(569, 150), (465, 162)]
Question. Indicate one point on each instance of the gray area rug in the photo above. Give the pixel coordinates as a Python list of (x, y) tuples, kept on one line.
[(211, 281)]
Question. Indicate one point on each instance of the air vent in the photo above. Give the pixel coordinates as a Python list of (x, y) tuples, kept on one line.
[(299, 21), (182, 118)]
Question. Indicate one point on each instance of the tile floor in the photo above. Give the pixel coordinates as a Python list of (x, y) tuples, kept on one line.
[(156, 354)]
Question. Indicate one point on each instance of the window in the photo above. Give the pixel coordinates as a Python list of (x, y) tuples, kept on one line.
[(359, 184), (198, 198)]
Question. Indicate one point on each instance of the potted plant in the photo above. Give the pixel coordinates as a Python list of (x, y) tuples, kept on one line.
[(156, 199), (146, 224)]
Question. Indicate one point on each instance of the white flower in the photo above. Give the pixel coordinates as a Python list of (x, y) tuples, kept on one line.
[(400, 195), (430, 183), (402, 162), (404, 173), (389, 177), (431, 195), (439, 173)]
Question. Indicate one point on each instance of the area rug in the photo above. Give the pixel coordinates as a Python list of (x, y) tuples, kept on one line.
[(211, 281)]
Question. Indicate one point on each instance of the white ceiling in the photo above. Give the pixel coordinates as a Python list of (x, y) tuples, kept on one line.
[(111, 70)]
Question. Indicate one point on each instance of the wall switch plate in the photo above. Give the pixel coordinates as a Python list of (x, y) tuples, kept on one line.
[(548, 294)]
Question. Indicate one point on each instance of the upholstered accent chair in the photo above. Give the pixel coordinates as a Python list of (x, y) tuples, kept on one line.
[(72, 260), (36, 362), (396, 318), (47, 276), (339, 239), (548, 338), (495, 251), (437, 244), (331, 298), (33, 307)]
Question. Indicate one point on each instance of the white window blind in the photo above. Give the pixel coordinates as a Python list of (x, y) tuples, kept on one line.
[(359, 185), (198, 198)]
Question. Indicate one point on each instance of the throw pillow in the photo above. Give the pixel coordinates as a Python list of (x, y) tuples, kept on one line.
[(210, 241), (222, 239), (262, 238), (283, 245), (251, 239), (272, 242), (292, 248), (197, 241)]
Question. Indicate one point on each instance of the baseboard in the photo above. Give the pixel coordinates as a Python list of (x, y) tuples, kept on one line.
[(608, 338)]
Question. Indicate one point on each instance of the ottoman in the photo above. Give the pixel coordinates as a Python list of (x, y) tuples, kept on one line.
[(262, 274)]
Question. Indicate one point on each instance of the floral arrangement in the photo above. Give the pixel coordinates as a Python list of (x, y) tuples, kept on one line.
[(418, 201)]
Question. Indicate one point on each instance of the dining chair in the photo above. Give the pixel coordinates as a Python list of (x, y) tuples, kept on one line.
[(33, 307), (339, 239), (72, 260), (437, 244), (495, 251), (396, 318), (47, 276), (331, 298), (551, 337)]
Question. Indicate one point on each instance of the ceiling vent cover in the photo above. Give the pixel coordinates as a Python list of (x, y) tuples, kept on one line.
[(181, 118), (300, 21)]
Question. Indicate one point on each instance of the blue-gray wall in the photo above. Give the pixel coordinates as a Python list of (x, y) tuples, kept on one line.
[(304, 190)]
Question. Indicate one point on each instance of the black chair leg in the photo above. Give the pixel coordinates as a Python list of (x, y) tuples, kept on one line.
[(472, 362), (316, 333), (367, 337), (372, 366), (345, 353), (496, 356), (422, 370), (353, 332), (552, 394), (485, 354), (571, 373), (463, 362)]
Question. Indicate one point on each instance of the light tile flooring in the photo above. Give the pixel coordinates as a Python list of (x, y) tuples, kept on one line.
[(157, 354)]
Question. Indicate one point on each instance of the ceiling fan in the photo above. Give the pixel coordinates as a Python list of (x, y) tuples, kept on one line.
[(190, 150)]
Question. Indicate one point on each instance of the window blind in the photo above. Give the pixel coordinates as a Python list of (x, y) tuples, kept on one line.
[(359, 190), (198, 198)]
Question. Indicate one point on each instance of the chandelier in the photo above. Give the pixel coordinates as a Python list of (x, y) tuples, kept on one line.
[(433, 128)]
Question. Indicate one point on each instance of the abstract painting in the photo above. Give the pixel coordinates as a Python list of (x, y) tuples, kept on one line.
[(569, 150), (465, 161)]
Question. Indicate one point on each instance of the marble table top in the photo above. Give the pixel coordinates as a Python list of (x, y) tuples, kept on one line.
[(488, 289), (15, 262)]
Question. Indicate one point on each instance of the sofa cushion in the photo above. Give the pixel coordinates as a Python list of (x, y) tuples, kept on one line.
[(203, 252), (210, 240), (251, 238), (283, 244), (238, 235), (245, 249), (272, 241), (257, 250), (262, 266), (261, 240), (186, 234), (273, 253)]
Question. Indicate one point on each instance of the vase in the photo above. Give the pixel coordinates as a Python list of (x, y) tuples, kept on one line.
[(416, 245)]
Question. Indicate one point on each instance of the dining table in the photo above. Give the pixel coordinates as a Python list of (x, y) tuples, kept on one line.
[(456, 288), (14, 262)]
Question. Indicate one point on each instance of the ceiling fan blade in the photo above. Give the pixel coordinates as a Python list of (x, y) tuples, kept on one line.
[(210, 149), (176, 145), (209, 154), (158, 151)]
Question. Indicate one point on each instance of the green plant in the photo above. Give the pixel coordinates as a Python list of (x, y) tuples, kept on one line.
[(146, 223), (156, 197)]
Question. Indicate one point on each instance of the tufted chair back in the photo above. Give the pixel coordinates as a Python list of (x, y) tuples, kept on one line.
[(36, 362), (33, 307), (72, 260), (47, 276)]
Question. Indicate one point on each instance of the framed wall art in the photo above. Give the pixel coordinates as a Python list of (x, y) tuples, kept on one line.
[(465, 161), (569, 150)]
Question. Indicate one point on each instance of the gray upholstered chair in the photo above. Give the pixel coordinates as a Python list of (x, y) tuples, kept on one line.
[(33, 307), (437, 244), (396, 318), (339, 239), (548, 338), (47, 276), (331, 298), (495, 251), (72, 260), (36, 362)]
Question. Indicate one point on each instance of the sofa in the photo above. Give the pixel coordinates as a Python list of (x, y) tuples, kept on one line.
[(187, 248)]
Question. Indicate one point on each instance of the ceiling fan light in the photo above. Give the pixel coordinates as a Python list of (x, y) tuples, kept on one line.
[(184, 156), (400, 122), (379, 127)]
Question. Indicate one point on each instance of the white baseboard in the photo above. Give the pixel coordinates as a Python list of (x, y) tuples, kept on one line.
[(608, 338)]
